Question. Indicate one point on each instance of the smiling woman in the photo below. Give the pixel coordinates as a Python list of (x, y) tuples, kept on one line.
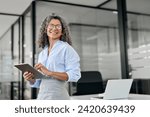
[(54, 30), (58, 60)]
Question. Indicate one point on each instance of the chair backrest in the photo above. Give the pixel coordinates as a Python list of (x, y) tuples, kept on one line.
[(90, 83)]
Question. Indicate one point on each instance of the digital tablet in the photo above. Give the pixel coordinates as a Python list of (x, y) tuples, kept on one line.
[(26, 67)]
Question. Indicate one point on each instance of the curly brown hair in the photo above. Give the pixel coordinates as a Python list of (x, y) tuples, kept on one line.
[(43, 38)]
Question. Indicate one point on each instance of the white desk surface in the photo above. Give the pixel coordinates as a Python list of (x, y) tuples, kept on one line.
[(131, 97)]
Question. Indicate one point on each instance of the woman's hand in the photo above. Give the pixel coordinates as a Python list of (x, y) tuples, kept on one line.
[(56, 75), (29, 76), (42, 69)]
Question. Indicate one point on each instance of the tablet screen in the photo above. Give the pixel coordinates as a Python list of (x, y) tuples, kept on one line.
[(26, 67)]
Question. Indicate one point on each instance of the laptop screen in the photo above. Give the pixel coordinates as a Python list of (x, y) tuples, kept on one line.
[(118, 89)]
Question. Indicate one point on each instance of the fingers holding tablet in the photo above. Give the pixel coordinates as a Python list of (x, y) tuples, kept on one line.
[(28, 76)]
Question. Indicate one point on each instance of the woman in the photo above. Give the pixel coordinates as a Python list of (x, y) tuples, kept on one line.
[(58, 60)]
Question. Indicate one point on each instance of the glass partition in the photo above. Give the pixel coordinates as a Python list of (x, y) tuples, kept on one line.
[(27, 50), (6, 65), (139, 40), (139, 44), (16, 51), (15, 85)]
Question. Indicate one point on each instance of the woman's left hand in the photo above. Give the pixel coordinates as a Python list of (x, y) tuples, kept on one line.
[(42, 68)]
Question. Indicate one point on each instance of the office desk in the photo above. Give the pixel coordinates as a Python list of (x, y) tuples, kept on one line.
[(131, 97)]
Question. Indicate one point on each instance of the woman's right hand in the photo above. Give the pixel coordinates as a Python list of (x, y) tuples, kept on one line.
[(29, 76)]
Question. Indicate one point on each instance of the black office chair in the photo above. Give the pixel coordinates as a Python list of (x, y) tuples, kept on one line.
[(90, 83)]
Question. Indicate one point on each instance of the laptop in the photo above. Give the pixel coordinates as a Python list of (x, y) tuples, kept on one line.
[(116, 89)]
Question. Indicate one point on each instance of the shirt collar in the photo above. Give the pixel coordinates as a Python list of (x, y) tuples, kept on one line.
[(58, 42)]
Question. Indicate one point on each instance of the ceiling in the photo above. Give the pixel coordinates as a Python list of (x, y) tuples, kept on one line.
[(11, 9)]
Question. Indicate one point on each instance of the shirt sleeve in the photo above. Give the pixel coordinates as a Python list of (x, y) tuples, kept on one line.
[(72, 63), (36, 84)]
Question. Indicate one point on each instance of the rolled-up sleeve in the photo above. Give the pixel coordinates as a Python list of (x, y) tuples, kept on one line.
[(72, 62)]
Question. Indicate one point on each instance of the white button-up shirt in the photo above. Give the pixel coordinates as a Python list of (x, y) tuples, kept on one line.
[(62, 58)]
